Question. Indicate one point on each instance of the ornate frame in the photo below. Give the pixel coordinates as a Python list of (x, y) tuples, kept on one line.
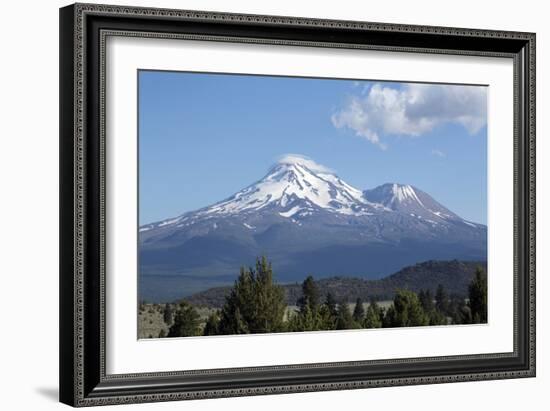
[(83, 31)]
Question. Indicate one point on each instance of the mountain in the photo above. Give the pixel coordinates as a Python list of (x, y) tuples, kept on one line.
[(454, 276), (410, 200), (307, 220)]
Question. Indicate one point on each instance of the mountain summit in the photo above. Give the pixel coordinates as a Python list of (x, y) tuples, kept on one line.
[(309, 221), (296, 185), (408, 199)]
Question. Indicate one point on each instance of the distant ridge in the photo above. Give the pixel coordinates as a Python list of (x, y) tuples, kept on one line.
[(453, 275)]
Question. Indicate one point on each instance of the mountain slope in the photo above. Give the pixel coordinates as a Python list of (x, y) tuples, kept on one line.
[(308, 220), (453, 275), (410, 200)]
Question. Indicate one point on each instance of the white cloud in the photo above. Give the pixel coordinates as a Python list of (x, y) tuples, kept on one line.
[(304, 160), (413, 110), (438, 153)]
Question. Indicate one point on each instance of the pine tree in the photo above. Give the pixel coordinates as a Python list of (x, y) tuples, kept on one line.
[(426, 300), (186, 321), (293, 321), (255, 304), (389, 318), (240, 296), (441, 300), (344, 319), (240, 323), (308, 317), (477, 292), (327, 320), (212, 324), (359, 311), (373, 317), (459, 311), (304, 320), (435, 316), (310, 295), (168, 314), (269, 301), (331, 304), (162, 333), (407, 310)]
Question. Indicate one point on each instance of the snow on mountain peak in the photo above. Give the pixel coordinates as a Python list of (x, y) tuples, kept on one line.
[(404, 193), (296, 183), (392, 195), (297, 187), (410, 200)]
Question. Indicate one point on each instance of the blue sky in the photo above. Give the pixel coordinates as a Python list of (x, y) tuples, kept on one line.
[(203, 137)]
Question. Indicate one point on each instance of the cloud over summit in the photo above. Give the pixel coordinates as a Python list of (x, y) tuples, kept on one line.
[(303, 160)]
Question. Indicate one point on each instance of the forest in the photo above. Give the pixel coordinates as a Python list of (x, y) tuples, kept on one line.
[(256, 304)]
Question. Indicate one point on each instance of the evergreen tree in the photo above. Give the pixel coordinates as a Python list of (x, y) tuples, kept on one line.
[(359, 311), (304, 320), (168, 314), (344, 319), (162, 333), (407, 310), (186, 321), (331, 304), (240, 323), (441, 300), (327, 318), (459, 312), (270, 304), (376, 307), (374, 316), (310, 295), (212, 324), (477, 292), (293, 322), (239, 298), (389, 318), (308, 317), (435, 316), (255, 304), (426, 300)]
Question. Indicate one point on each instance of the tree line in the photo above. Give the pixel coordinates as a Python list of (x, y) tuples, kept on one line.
[(256, 304)]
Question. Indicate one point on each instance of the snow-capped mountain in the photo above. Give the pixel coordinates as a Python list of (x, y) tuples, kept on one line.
[(298, 187), (410, 200), (309, 221), (295, 186)]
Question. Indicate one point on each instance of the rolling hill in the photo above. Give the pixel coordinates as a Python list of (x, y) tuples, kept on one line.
[(453, 275)]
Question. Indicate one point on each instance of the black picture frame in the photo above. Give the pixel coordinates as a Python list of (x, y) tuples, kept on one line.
[(83, 29)]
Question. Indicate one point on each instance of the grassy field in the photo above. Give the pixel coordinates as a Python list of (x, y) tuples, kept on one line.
[(151, 321)]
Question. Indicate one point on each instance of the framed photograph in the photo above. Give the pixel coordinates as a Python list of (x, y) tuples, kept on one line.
[(261, 204)]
